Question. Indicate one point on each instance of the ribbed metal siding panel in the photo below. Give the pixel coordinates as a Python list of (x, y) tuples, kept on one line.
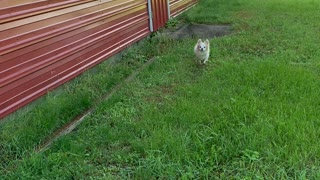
[(159, 13), (43, 44), (178, 6)]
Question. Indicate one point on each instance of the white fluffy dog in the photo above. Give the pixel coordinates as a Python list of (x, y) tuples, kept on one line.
[(202, 51)]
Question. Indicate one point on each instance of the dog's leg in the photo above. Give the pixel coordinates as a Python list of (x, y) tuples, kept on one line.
[(205, 61)]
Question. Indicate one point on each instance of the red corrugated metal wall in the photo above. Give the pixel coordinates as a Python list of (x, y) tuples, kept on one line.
[(178, 6), (46, 43), (159, 13)]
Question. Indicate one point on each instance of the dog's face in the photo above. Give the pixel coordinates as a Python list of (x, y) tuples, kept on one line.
[(202, 46)]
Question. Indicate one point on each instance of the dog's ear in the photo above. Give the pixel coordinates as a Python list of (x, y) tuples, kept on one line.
[(199, 41), (207, 42)]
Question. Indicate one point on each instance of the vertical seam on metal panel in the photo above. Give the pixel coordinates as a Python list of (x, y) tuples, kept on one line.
[(150, 16), (168, 5)]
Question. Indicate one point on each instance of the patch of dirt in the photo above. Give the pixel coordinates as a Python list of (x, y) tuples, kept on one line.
[(199, 31), (158, 95)]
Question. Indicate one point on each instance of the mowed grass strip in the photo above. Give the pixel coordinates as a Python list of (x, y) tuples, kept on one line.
[(252, 113)]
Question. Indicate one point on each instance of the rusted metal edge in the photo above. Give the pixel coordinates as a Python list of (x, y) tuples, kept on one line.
[(69, 127)]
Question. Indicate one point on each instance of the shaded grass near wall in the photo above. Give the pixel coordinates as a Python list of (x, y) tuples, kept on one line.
[(252, 113), (21, 132)]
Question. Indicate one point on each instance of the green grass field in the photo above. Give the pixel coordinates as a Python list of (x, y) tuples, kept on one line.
[(252, 113)]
